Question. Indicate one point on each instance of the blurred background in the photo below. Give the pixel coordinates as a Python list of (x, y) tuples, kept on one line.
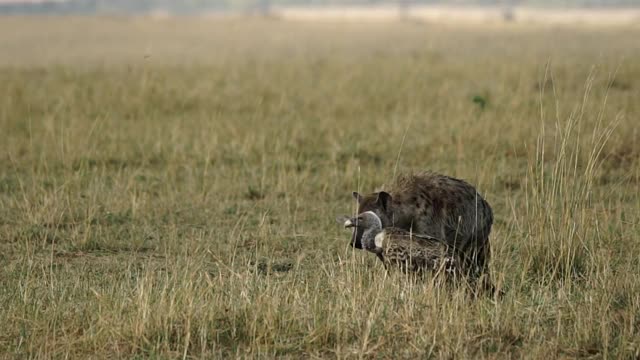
[(609, 11)]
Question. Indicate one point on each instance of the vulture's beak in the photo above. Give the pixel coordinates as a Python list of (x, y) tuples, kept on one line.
[(349, 224)]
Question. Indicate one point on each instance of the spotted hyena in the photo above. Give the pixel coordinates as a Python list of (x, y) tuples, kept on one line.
[(436, 205)]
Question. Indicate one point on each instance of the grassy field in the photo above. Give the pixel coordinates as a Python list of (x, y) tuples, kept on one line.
[(169, 188)]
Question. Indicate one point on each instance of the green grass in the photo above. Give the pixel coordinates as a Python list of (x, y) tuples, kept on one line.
[(172, 192)]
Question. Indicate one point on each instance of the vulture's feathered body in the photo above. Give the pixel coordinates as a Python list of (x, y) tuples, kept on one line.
[(398, 248)]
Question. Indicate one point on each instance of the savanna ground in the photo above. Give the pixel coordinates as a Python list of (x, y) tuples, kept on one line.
[(168, 188)]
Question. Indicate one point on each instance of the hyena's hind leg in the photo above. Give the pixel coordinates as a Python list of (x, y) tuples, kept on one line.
[(476, 268)]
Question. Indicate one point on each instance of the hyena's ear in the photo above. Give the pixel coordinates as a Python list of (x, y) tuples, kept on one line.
[(384, 198), (357, 196)]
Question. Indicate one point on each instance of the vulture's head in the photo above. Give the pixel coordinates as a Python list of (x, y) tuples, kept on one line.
[(365, 228), (380, 204)]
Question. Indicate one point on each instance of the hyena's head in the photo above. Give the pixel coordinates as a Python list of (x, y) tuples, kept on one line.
[(380, 204)]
